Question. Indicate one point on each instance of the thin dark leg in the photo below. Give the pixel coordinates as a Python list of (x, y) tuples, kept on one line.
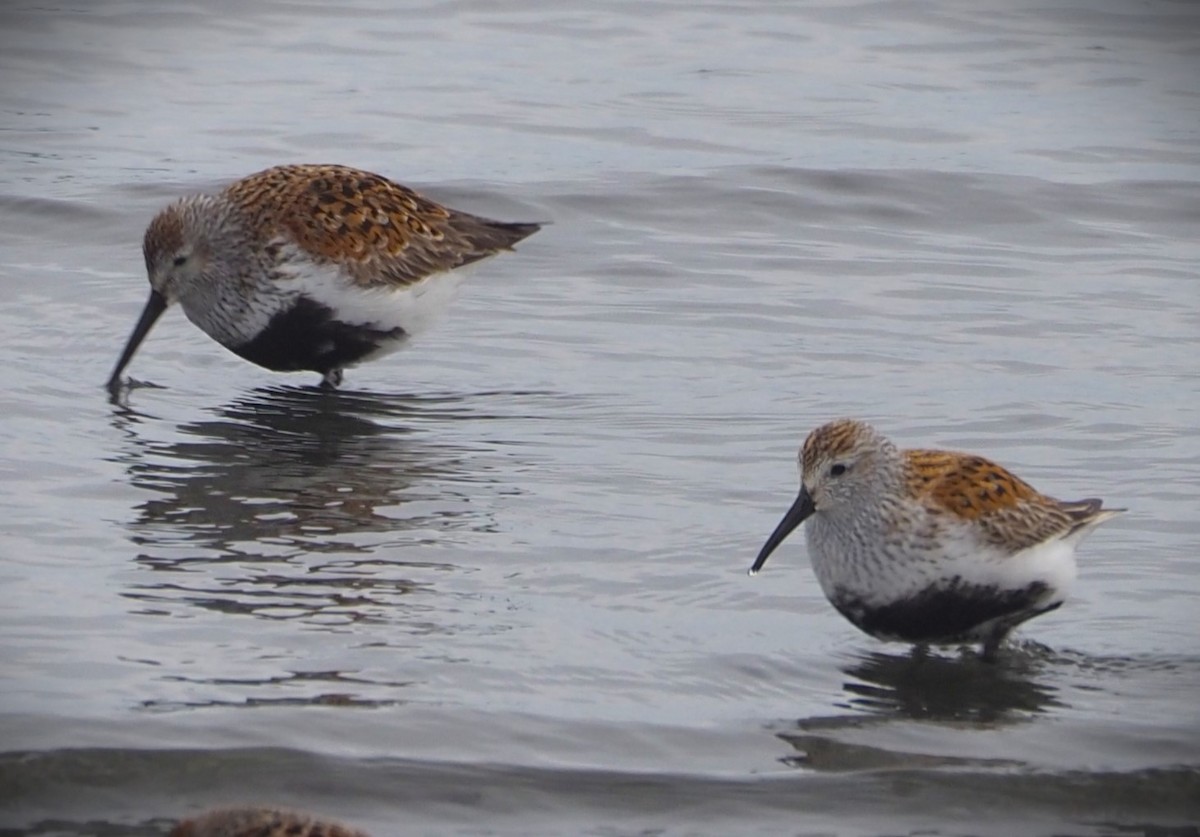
[(991, 645), (917, 656)]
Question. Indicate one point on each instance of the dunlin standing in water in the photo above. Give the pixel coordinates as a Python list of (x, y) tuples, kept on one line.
[(930, 546), (311, 267), (260, 822)]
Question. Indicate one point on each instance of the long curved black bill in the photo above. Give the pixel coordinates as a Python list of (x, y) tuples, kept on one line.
[(155, 305), (800, 510)]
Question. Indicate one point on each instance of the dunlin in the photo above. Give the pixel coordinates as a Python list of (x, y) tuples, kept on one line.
[(930, 546), (260, 822), (311, 267)]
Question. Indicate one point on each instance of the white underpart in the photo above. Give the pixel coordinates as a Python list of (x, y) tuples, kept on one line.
[(1051, 562), (887, 578), (413, 308)]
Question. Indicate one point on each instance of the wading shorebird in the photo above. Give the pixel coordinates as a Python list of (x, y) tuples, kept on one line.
[(311, 267), (930, 546)]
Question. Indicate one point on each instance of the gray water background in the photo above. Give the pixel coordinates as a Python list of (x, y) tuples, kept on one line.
[(497, 584)]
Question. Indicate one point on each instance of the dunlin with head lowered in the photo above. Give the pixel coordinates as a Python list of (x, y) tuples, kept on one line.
[(311, 267), (930, 546)]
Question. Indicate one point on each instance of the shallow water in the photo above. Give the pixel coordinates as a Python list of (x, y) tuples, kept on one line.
[(497, 584)]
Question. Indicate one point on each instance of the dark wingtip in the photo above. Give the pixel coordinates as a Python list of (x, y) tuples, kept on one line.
[(1087, 508), (485, 237), (519, 231), (1088, 513)]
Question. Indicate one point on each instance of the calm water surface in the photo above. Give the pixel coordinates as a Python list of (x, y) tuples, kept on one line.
[(497, 584)]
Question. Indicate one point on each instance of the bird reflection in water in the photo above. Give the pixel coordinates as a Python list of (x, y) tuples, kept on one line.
[(932, 687), (918, 686), (313, 496)]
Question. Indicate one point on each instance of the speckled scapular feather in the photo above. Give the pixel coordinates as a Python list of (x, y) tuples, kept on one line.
[(261, 822), (930, 546), (311, 267), (1008, 511), (378, 231)]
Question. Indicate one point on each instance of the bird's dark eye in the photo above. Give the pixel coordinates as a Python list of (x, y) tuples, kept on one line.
[(837, 470), (180, 261)]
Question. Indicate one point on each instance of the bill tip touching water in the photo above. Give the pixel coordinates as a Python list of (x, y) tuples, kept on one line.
[(930, 546), (311, 267)]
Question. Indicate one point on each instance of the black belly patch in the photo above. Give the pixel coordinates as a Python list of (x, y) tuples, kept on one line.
[(948, 613), (308, 337)]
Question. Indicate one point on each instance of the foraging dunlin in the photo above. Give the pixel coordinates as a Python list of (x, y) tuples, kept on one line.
[(260, 822), (311, 267), (930, 546)]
